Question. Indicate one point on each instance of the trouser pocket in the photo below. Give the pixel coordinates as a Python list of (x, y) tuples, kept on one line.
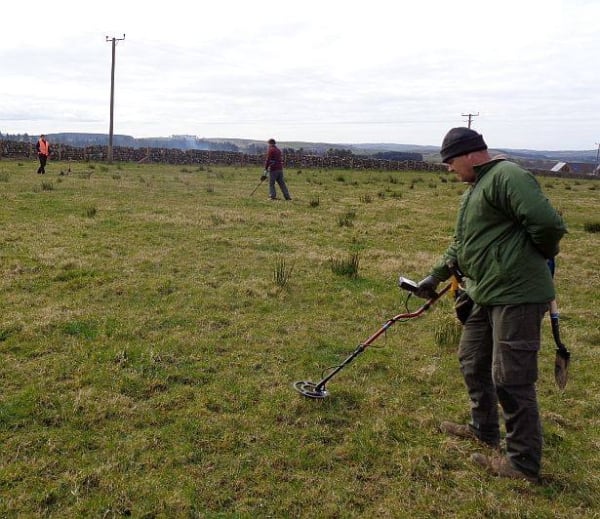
[(516, 343)]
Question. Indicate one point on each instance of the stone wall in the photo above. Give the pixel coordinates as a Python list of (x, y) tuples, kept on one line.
[(292, 159)]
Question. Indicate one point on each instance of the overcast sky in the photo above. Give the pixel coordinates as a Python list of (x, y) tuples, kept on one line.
[(354, 72)]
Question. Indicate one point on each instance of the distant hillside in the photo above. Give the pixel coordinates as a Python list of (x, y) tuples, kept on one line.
[(390, 146), (563, 156)]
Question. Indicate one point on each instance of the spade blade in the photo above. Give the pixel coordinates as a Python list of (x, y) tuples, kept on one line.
[(561, 367)]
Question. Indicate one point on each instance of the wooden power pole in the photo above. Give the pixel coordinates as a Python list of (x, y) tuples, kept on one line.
[(114, 41), (470, 117)]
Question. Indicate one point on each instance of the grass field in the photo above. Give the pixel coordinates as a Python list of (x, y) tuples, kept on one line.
[(153, 319)]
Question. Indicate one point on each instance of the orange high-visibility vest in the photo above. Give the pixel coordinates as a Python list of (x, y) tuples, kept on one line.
[(44, 147)]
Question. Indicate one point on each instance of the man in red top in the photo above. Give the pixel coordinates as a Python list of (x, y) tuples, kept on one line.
[(43, 150), (274, 166)]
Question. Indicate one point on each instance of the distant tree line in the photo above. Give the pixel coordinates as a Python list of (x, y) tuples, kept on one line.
[(190, 142), (397, 155), (182, 142)]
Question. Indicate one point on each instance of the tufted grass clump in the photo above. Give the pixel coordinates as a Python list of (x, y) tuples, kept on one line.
[(282, 272), (592, 227), (347, 219), (447, 330), (346, 266)]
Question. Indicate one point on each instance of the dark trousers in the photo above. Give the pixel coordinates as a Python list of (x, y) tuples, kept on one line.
[(43, 159), (498, 356), (277, 176)]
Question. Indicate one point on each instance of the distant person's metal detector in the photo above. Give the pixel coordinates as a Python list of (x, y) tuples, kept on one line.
[(263, 177), (318, 389)]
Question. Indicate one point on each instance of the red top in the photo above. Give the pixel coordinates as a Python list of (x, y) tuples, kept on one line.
[(274, 161)]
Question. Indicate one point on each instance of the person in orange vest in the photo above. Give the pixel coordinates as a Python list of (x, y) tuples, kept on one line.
[(43, 150)]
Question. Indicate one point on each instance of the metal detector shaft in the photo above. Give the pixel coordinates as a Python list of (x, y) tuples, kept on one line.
[(258, 185), (320, 386)]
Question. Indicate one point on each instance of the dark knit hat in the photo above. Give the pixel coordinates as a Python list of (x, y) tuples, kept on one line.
[(460, 141)]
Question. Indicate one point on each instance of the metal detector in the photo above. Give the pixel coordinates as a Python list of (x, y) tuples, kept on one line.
[(262, 179), (318, 389)]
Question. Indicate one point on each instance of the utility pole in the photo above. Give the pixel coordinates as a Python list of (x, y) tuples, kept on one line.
[(597, 160), (470, 116), (114, 41)]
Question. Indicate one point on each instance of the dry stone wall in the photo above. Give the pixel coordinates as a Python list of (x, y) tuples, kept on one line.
[(292, 159)]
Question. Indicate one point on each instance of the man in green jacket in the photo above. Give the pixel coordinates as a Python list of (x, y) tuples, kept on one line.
[(506, 230)]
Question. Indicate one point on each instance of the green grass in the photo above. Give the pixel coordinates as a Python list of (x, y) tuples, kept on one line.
[(151, 326)]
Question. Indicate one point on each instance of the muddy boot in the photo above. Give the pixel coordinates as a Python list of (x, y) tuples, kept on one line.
[(465, 431), (500, 466)]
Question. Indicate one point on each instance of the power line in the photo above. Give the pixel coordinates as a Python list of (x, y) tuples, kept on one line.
[(114, 41)]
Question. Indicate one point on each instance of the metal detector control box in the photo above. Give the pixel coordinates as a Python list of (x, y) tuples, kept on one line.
[(407, 284)]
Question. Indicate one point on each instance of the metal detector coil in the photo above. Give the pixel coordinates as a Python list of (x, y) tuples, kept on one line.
[(310, 389)]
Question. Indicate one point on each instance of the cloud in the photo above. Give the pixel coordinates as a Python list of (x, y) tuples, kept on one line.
[(312, 71)]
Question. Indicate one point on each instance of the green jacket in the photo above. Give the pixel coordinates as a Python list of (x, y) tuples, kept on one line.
[(506, 230)]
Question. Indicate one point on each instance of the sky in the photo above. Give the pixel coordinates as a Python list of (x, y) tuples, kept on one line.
[(310, 71)]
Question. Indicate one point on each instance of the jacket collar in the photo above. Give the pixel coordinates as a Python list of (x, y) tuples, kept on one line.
[(482, 169)]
